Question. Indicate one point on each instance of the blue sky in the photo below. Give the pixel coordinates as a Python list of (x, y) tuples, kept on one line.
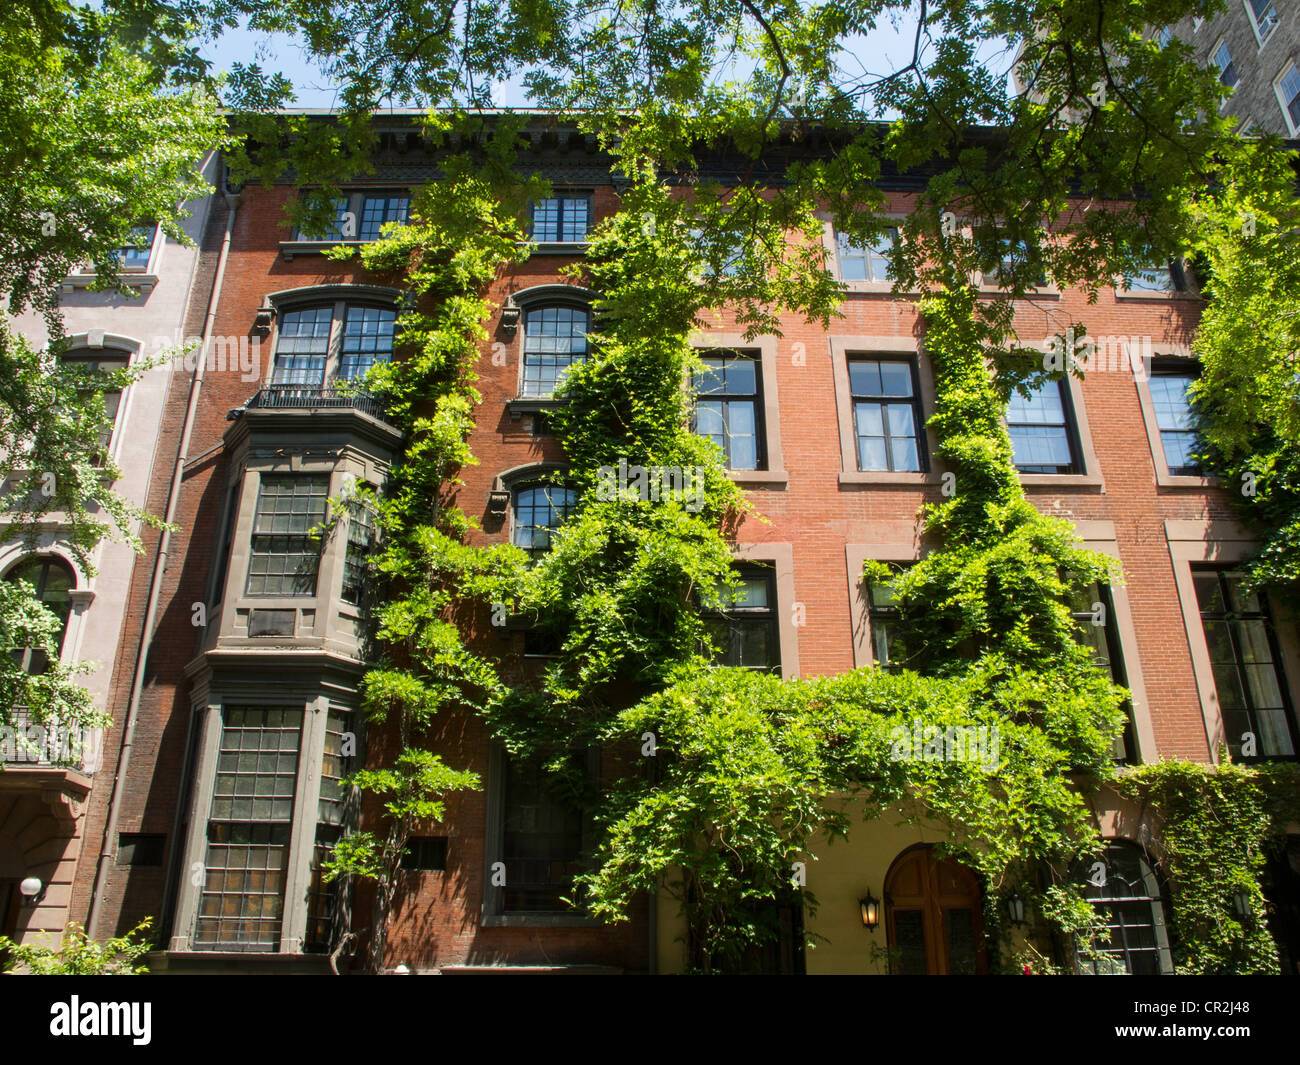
[(888, 48)]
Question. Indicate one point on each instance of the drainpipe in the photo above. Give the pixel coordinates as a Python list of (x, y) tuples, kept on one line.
[(148, 630)]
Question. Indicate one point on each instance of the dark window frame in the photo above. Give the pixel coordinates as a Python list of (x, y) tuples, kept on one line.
[(756, 400), (531, 384), (1105, 898), (1127, 739), (884, 401), (32, 660), (565, 200), (564, 512), (310, 547), (734, 617), (1231, 619), (1168, 369), (1070, 427), (354, 202)]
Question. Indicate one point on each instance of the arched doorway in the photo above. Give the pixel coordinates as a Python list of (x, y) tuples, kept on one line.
[(934, 916)]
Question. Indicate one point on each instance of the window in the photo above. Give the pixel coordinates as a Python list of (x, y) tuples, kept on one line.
[(554, 339), (134, 254), (732, 257), (885, 622), (1222, 59), (52, 581), (94, 361), (564, 218), (1042, 430), (302, 346), (241, 903), (1263, 18), (361, 216), (1014, 254), (727, 410), (541, 841), (869, 262), (348, 338), (743, 630), (322, 895), (1093, 610), (1288, 95), (1164, 36), (361, 538), (284, 554), (1166, 278), (1124, 888), (1174, 417), (539, 511), (367, 339), (425, 854), (886, 414), (1248, 677), (377, 210)]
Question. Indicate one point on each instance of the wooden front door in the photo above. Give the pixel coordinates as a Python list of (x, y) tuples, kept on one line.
[(934, 916)]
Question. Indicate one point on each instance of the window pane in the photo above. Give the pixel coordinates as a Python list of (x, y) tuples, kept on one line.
[(554, 339), (242, 897), (284, 556), (896, 378), (367, 339), (538, 511), (377, 210)]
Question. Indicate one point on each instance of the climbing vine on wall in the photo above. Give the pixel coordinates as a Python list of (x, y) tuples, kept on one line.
[(744, 771)]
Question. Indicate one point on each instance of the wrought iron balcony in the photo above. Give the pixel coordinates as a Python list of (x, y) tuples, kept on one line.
[(317, 397)]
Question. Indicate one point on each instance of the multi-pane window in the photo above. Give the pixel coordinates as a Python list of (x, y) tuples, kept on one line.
[(1288, 91), (106, 361), (361, 538), (743, 630), (1164, 36), (241, 903), (1263, 18), (367, 339), (1123, 887), (338, 340), (302, 346), (865, 262), (1093, 611), (886, 414), (1041, 430), (539, 511), (51, 580), (727, 408), (284, 554), (134, 254), (563, 219), (541, 842), (885, 622), (554, 339), (1173, 410), (1222, 59), (1248, 676), (361, 216), (380, 209), (322, 894)]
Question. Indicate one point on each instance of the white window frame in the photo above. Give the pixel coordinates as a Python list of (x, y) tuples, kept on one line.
[(1260, 39), (1293, 129)]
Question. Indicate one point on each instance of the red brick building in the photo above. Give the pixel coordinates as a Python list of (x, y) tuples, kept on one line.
[(247, 697)]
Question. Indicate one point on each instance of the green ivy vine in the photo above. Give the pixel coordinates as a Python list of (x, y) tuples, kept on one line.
[(745, 772)]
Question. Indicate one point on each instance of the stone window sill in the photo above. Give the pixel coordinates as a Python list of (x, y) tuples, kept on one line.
[(1082, 481), (913, 478), (770, 478)]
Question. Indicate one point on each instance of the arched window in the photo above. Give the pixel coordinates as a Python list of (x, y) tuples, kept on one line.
[(51, 580), (540, 509), (555, 337), (1124, 888)]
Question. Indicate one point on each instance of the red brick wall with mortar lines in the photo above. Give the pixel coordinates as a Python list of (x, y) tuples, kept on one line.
[(437, 920)]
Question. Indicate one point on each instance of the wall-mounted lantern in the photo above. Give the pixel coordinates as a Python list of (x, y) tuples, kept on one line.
[(869, 909)]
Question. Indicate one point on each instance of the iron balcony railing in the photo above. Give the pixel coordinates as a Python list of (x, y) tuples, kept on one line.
[(316, 397)]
